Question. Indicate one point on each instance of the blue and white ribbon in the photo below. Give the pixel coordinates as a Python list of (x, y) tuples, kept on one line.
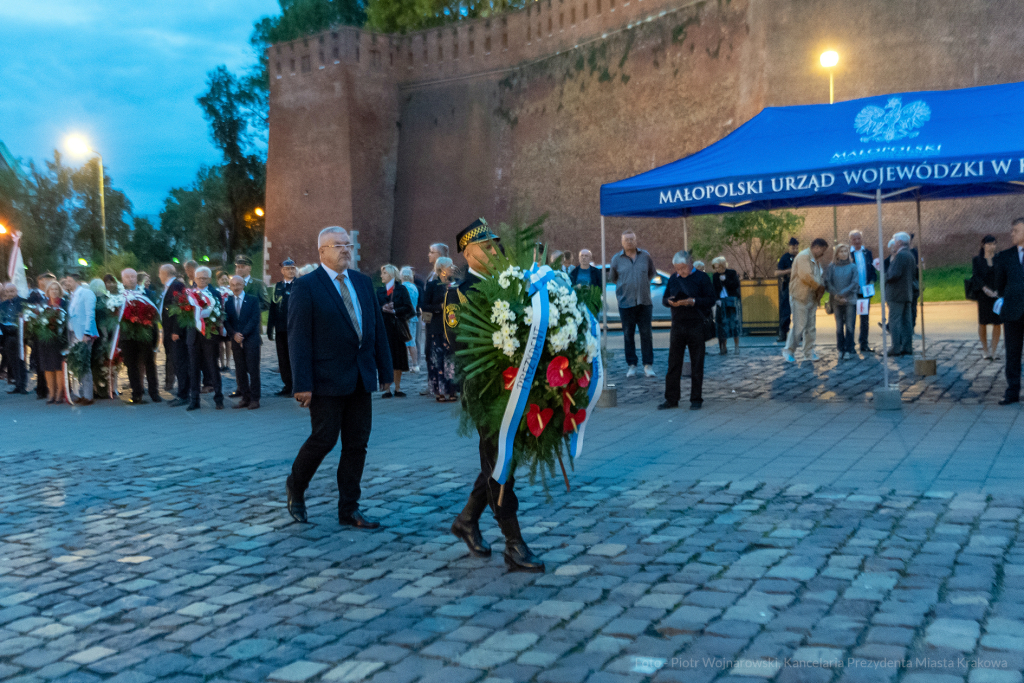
[(539, 277), (593, 391)]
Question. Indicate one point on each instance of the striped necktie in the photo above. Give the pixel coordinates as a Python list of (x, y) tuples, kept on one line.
[(346, 296)]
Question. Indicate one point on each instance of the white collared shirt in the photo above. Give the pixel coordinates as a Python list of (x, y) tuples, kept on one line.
[(862, 265), (351, 290), (479, 275)]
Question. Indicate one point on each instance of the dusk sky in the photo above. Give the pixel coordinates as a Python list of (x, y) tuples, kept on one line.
[(125, 74)]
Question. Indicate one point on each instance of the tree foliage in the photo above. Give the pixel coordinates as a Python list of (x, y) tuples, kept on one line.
[(751, 241), (402, 16)]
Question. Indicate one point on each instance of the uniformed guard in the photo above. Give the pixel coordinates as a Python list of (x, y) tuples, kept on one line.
[(782, 272), (477, 244), (277, 323), (253, 287)]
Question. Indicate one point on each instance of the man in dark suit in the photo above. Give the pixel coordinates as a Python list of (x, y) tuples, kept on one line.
[(204, 347), (1009, 266), (339, 351), (277, 324), (175, 343), (477, 244), (866, 275), (899, 292), (243, 329)]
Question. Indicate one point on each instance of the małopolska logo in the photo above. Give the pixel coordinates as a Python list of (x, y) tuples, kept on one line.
[(895, 122)]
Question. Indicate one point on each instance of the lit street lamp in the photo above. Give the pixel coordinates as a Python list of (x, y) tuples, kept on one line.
[(77, 146), (258, 212), (829, 59)]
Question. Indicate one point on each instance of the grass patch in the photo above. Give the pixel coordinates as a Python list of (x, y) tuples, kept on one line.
[(941, 284)]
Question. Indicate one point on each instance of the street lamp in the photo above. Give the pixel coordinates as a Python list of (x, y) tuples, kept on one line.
[(3, 229), (258, 212), (77, 146), (829, 59)]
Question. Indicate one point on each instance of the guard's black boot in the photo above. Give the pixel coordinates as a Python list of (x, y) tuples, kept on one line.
[(518, 557), (467, 527)]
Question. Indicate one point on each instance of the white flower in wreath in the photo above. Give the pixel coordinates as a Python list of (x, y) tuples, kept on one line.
[(505, 279), (505, 340), (593, 347), (501, 312), (528, 315)]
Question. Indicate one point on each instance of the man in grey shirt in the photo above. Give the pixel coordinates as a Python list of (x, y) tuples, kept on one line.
[(632, 270)]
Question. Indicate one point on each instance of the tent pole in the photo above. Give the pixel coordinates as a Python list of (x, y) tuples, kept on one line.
[(686, 240), (604, 304), (881, 288), (920, 281)]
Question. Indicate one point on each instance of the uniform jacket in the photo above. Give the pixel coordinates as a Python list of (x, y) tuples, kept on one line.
[(258, 290), (277, 319)]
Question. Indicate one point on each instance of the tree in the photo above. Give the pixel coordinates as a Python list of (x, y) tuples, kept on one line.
[(402, 16), (48, 228), (752, 241), (148, 244), (224, 106)]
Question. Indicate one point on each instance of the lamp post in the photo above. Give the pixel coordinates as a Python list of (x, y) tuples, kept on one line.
[(77, 146), (829, 59)]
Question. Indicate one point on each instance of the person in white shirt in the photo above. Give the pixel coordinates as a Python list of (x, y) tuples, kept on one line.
[(82, 328)]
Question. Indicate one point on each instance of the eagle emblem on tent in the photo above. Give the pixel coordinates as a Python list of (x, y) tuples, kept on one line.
[(895, 122)]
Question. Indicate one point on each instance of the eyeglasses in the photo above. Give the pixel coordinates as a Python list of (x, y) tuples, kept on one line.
[(339, 246)]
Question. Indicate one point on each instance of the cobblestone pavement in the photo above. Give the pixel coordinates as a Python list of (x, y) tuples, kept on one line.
[(761, 373), (131, 568)]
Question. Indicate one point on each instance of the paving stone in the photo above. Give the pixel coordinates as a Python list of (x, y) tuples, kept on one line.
[(956, 634), (352, 671), (296, 672)]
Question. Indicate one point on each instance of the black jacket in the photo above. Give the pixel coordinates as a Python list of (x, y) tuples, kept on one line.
[(277, 318), (1010, 284), (247, 322), (982, 274), (327, 356), (729, 279), (595, 275), (432, 302), (170, 322), (697, 286)]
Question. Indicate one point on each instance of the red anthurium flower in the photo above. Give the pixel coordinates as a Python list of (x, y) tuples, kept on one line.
[(567, 399), (585, 379), (558, 372), (510, 377), (537, 419), (573, 421)]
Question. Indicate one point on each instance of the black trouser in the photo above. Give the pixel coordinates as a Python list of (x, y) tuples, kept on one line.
[(247, 368), (685, 336), (1013, 335), (139, 359), (12, 358), (486, 490), (633, 317), (41, 390), (330, 416), (864, 321), (785, 314), (284, 363), (178, 350), (169, 369), (203, 354)]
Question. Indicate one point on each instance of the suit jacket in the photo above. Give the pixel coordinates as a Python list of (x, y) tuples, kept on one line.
[(277, 319), (327, 355), (899, 278), (169, 322), (595, 275), (1010, 284), (247, 322), (82, 313)]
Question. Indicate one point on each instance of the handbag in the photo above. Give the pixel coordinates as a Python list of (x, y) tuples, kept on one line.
[(403, 330), (829, 307), (707, 324), (970, 291), (426, 317)]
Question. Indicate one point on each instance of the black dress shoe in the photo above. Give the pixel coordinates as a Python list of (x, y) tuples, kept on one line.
[(696, 405), (668, 405), (1009, 401), (296, 503), (284, 392), (357, 520), (220, 406), (518, 556), (193, 406), (178, 402), (469, 532), (17, 391)]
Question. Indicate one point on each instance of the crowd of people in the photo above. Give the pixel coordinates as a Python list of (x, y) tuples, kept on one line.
[(226, 319)]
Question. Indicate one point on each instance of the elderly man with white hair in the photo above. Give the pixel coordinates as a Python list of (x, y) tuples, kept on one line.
[(899, 292), (204, 348), (138, 354)]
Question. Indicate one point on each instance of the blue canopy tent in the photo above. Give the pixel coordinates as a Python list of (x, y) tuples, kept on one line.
[(900, 147)]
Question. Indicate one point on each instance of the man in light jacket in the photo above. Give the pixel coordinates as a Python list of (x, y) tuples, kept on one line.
[(805, 290), (82, 328), (899, 293)]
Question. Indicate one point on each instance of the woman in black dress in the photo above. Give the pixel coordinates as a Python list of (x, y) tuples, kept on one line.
[(984, 281), (397, 308), (441, 380), (51, 352)]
